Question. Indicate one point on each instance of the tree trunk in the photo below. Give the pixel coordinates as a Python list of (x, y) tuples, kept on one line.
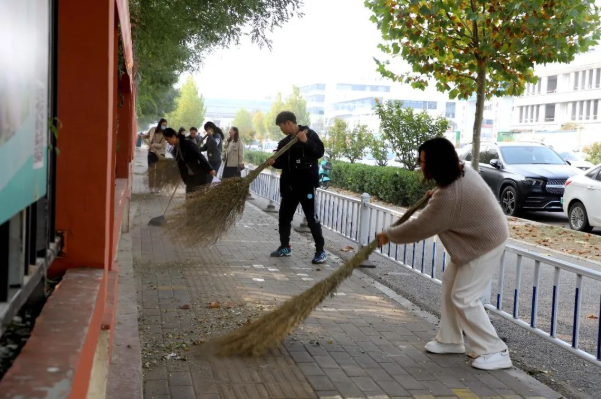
[(481, 85)]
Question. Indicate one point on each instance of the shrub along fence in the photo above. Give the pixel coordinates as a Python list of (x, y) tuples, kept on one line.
[(388, 183)]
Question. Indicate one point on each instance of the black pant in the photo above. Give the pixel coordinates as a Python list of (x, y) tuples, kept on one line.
[(231, 171), (152, 158), (290, 200)]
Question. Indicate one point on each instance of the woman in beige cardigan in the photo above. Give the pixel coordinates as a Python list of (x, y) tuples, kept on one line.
[(233, 156)]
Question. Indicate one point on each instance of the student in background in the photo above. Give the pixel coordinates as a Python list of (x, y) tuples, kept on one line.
[(233, 154)]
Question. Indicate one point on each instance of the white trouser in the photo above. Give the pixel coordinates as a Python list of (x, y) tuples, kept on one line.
[(462, 310)]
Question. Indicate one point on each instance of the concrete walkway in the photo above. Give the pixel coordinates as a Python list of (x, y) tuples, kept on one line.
[(360, 344)]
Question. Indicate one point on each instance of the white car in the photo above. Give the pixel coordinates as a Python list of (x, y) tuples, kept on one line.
[(582, 200), (576, 159)]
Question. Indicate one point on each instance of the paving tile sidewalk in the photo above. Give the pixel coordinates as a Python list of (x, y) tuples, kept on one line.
[(358, 344)]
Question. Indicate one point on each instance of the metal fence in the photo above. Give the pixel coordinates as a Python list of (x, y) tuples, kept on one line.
[(544, 295)]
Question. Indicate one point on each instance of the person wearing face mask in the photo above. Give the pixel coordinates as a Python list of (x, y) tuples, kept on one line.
[(194, 168), (157, 145), (234, 155), (214, 144)]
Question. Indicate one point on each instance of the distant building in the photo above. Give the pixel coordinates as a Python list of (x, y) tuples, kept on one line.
[(354, 102), (222, 110), (566, 98)]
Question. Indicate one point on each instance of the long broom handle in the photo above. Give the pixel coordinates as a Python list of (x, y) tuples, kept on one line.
[(373, 245), (170, 199)]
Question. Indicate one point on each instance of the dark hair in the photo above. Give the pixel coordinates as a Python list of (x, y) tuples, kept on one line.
[(285, 116), (169, 132), (160, 123), (193, 128), (211, 125), (181, 129), (442, 162), (236, 134)]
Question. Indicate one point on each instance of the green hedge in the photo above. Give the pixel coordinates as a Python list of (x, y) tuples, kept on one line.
[(255, 157), (388, 183)]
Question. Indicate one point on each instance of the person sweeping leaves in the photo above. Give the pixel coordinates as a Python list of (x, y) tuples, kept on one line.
[(298, 182), (194, 168), (464, 213)]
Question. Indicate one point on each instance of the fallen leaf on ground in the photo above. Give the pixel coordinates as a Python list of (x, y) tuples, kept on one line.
[(228, 305), (186, 306), (214, 305), (592, 316), (348, 248)]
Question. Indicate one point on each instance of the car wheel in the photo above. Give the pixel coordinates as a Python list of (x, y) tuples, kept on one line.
[(509, 201), (579, 217)]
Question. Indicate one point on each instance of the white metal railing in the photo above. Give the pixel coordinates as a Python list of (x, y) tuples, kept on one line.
[(359, 220)]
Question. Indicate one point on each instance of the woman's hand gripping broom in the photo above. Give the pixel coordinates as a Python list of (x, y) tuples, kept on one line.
[(271, 328)]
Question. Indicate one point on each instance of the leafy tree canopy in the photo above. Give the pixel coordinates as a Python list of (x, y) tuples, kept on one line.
[(483, 47)]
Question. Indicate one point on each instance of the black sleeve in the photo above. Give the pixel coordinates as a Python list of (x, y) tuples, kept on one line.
[(192, 154), (205, 146), (314, 145), (279, 162)]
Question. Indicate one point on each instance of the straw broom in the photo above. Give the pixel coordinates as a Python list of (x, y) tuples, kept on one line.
[(164, 175), (214, 208), (270, 329)]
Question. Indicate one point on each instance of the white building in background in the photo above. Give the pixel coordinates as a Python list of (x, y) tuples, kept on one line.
[(566, 94), (221, 111), (353, 102)]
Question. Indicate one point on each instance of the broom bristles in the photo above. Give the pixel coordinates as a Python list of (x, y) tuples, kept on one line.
[(164, 175), (270, 329), (214, 208)]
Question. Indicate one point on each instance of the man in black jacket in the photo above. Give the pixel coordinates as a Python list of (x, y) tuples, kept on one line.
[(193, 166), (298, 182)]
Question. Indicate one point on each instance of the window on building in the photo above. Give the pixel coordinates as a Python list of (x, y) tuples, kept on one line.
[(590, 79), (550, 113), (318, 98), (581, 113), (576, 80), (552, 84), (596, 110), (521, 114), (574, 107), (588, 109), (488, 107), (598, 79), (343, 87), (583, 80), (539, 86), (432, 105), (358, 88), (450, 110), (537, 109)]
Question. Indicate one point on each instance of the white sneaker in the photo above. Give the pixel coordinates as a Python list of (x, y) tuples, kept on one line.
[(493, 361), (438, 347)]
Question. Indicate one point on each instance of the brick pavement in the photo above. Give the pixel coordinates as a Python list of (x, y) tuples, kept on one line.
[(358, 344)]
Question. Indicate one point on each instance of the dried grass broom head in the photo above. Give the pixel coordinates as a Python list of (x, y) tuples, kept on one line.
[(270, 329)]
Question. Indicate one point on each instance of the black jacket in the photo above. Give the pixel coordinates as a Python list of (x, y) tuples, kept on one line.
[(193, 166), (300, 169), (214, 148)]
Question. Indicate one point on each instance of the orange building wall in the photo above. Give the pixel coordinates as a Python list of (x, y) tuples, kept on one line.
[(86, 105)]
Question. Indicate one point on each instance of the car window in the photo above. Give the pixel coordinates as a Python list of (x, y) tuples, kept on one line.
[(468, 157), (570, 156), (488, 155), (529, 155), (592, 173)]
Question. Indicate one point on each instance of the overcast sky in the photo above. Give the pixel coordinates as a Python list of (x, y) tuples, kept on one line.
[(334, 40)]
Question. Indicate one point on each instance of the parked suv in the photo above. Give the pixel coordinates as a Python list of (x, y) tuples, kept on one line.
[(524, 176)]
